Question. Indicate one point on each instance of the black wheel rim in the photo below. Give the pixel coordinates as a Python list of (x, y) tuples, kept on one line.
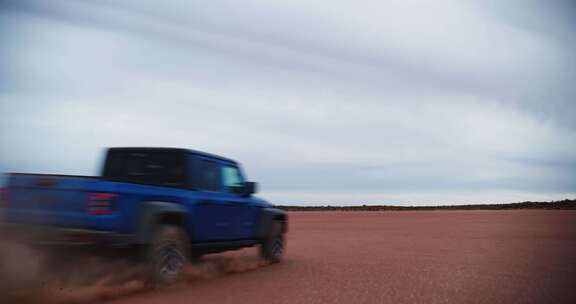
[(170, 262)]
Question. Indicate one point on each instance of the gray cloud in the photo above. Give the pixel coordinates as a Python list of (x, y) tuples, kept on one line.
[(384, 101)]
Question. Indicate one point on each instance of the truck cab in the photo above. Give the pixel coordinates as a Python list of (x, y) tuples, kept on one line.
[(217, 200)]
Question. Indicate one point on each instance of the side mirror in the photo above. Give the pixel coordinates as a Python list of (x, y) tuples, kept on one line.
[(250, 188)]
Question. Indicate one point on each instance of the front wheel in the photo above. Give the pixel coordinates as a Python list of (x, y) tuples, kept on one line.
[(273, 247)]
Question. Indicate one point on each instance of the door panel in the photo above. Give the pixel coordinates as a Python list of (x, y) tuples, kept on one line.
[(245, 212), (244, 216), (213, 218), (213, 213), (222, 212)]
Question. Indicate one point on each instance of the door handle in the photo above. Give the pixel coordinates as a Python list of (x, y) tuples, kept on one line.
[(204, 202)]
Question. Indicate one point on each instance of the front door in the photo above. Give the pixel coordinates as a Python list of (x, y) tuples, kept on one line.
[(213, 213), (244, 212)]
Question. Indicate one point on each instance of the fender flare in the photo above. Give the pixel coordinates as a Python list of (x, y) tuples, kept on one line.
[(267, 218), (149, 215)]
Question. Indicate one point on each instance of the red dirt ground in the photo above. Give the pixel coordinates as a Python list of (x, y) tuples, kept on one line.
[(399, 257)]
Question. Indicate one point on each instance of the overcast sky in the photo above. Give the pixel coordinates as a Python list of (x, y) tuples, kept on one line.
[(324, 102)]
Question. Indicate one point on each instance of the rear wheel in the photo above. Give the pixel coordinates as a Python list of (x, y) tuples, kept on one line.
[(273, 247), (168, 255)]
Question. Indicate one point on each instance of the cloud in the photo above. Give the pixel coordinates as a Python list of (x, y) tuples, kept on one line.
[(316, 98)]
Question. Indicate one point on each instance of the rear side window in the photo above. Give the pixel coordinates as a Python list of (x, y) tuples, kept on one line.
[(153, 168), (208, 176)]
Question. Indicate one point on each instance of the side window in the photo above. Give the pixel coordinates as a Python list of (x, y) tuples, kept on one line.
[(209, 176), (152, 168), (232, 179)]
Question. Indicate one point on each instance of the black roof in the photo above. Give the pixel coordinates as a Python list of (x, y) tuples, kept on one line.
[(170, 149)]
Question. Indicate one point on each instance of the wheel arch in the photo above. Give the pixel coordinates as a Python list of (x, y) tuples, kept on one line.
[(154, 213), (268, 216)]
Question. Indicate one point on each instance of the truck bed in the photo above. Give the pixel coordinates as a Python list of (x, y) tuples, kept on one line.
[(50, 199)]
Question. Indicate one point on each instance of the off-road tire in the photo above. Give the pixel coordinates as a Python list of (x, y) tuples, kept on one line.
[(168, 254), (273, 247)]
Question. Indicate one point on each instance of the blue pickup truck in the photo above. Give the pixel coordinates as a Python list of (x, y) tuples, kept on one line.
[(172, 204)]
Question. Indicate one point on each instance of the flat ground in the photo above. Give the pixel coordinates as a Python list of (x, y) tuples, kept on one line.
[(399, 257)]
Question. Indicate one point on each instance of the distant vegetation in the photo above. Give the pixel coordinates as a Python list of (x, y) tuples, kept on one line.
[(566, 204)]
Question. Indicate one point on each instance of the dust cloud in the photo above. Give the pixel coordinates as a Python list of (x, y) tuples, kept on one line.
[(31, 276), (223, 264)]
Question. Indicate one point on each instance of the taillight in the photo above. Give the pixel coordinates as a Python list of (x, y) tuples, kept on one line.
[(100, 203), (4, 200)]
